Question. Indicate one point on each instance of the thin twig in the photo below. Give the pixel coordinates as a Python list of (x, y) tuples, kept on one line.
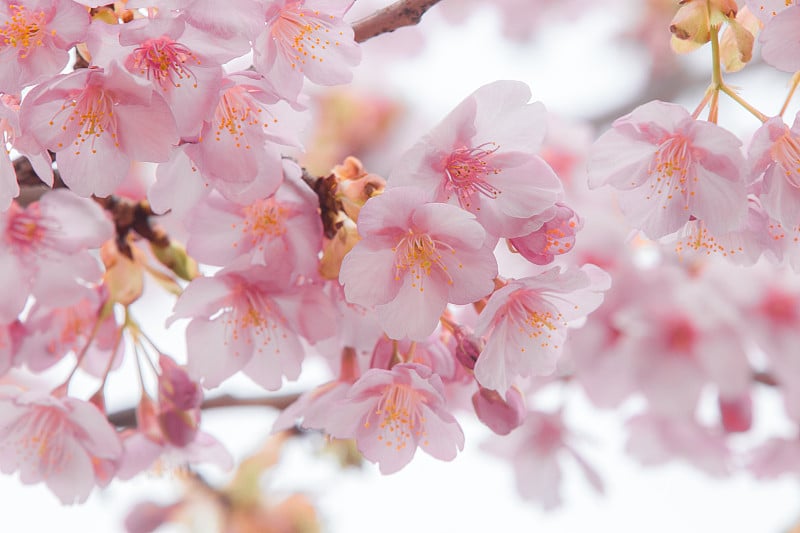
[(127, 417), (388, 19)]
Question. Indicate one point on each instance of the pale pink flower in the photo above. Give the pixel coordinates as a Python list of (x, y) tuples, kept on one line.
[(671, 168), (685, 333), (554, 237), (482, 156), (776, 457), (10, 337), (230, 27), (43, 250), (236, 150), (283, 227), (305, 38), (251, 318), (173, 57), (775, 158), (53, 332), (414, 258), (537, 449), (526, 323), (35, 36), (657, 439), (97, 122), (10, 138), (392, 412), (141, 452), (780, 46), (765, 10), (61, 441)]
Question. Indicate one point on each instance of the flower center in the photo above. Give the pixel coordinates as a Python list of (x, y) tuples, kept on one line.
[(467, 169), (264, 219), (93, 109), (24, 29), (670, 165), (307, 37), (786, 152), (418, 255), (235, 114), (536, 318), (399, 416), (27, 230), (165, 62)]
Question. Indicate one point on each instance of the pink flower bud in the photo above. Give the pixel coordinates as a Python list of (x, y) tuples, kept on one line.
[(468, 346), (501, 416)]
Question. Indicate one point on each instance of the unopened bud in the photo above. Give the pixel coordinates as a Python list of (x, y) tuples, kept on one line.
[(468, 346), (174, 257), (500, 415)]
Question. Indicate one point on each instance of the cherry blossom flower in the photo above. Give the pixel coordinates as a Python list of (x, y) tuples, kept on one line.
[(173, 56), (780, 46), (776, 457), (305, 38), (10, 138), (251, 318), (775, 158), (536, 450), (51, 235), (97, 122), (671, 168), (53, 332), (526, 323), (414, 258), (482, 156), (230, 27), (657, 439), (236, 150), (284, 227), (35, 36), (60, 441), (392, 412)]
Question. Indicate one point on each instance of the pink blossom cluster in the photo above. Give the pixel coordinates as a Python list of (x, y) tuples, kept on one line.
[(457, 287)]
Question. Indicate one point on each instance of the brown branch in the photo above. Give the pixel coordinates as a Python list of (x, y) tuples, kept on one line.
[(386, 20), (127, 417)]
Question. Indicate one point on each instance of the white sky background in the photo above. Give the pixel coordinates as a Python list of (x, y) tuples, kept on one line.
[(576, 71)]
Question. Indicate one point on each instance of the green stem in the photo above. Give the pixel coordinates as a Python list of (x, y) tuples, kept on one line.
[(742, 102)]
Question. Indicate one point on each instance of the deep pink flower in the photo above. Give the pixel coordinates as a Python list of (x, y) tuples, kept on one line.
[(482, 156), (98, 121), (414, 258), (526, 323), (60, 441), (671, 168), (251, 318), (305, 38), (391, 412), (47, 237), (35, 36)]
